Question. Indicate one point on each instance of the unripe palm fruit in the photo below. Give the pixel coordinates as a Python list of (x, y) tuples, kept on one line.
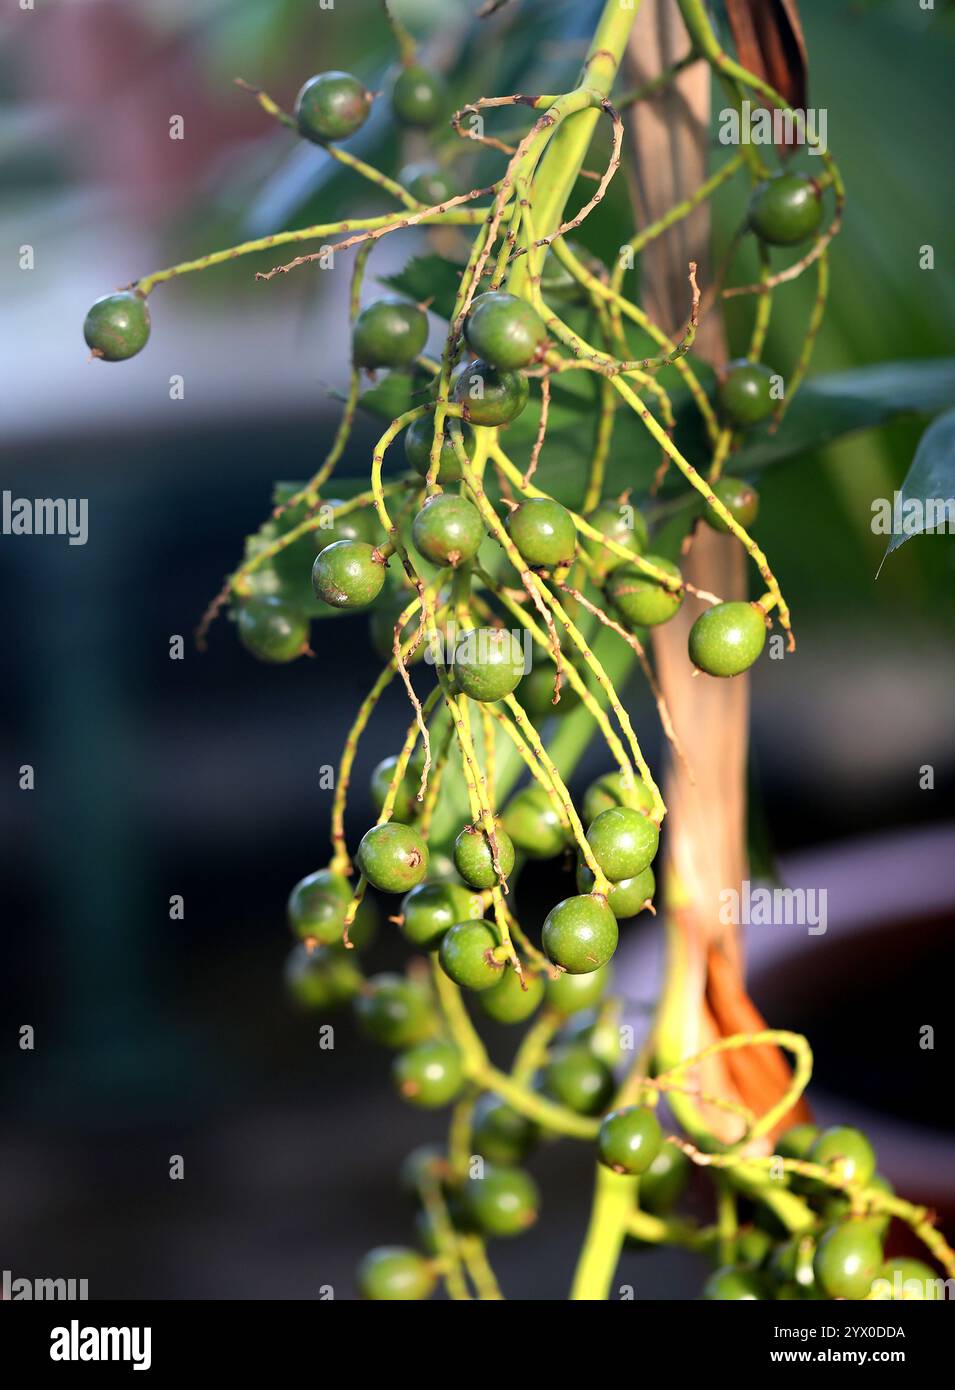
[(578, 1079), (501, 1134), (847, 1151), (419, 97), (623, 842), (746, 392), (627, 896), (323, 978), (394, 1012), (533, 824), (394, 858), (271, 629), (418, 440), (730, 1284), (785, 209), (488, 663), (393, 1272), (473, 858), (466, 954), (621, 523), (117, 326), (406, 802), (502, 1202), (448, 530), (639, 599), (510, 1001), (429, 184), (535, 694), (570, 994), (504, 330), (739, 498), (580, 934), (726, 639), (629, 1139), (544, 532), (430, 1074), (847, 1259), (391, 332), (490, 396), (615, 789), (665, 1181), (348, 574), (431, 909), (331, 106)]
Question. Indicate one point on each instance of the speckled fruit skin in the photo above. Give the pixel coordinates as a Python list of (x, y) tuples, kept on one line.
[(419, 97), (429, 1075), (429, 184), (907, 1280), (621, 523), (271, 629), (613, 789), (739, 498), (419, 437), (393, 1272), (624, 842), (394, 858), (847, 1259), (504, 330), (572, 994), (389, 333), (331, 106), (665, 1181), (629, 1139), (745, 392), (473, 859), (117, 326), (490, 396), (508, 1002), (448, 530), (431, 909), (847, 1150), (503, 1202), (323, 978), (730, 1285), (578, 1079), (347, 575), (639, 599), (580, 934), (544, 532), (785, 209), (488, 663), (464, 954), (394, 1012), (533, 824), (627, 897), (501, 1134), (726, 639)]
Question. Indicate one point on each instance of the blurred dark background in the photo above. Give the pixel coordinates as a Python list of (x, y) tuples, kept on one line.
[(200, 777)]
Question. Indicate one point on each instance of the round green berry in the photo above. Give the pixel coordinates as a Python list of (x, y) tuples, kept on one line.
[(792, 1262), (502, 1201), (406, 803), (639, 599), (504, 330), (448, 530), (665, 1181), (331, 106), (533, 824), (490, 396), (580, 934), (393, 857), (847, 1151), (726, 639), (544, 532), (753, 1246), (847, 1259), (624, 842), (488, 663), (629, 1139), (615, 789), (796, 1141), (620, 523), (746, 392), (571, 994), (389, 333), (466, 954), (627, 896), (271, 629), (418, 440), (473, 858), (360, 524), (419, 97), (501, 1134), (785, 209), (431, 909), (535, 694), (316, 906), (323, 978), (834, 1209), (425, 1161), (907, 1280), (730, 1284), (117, 326), (394, 1012), (740, 499), (429, 1075), (429, 184), (348, 574), (512, 1001), (393, 1272), (578, 1079)]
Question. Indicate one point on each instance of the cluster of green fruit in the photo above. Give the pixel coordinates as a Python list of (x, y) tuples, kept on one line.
[(842, 1255)]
